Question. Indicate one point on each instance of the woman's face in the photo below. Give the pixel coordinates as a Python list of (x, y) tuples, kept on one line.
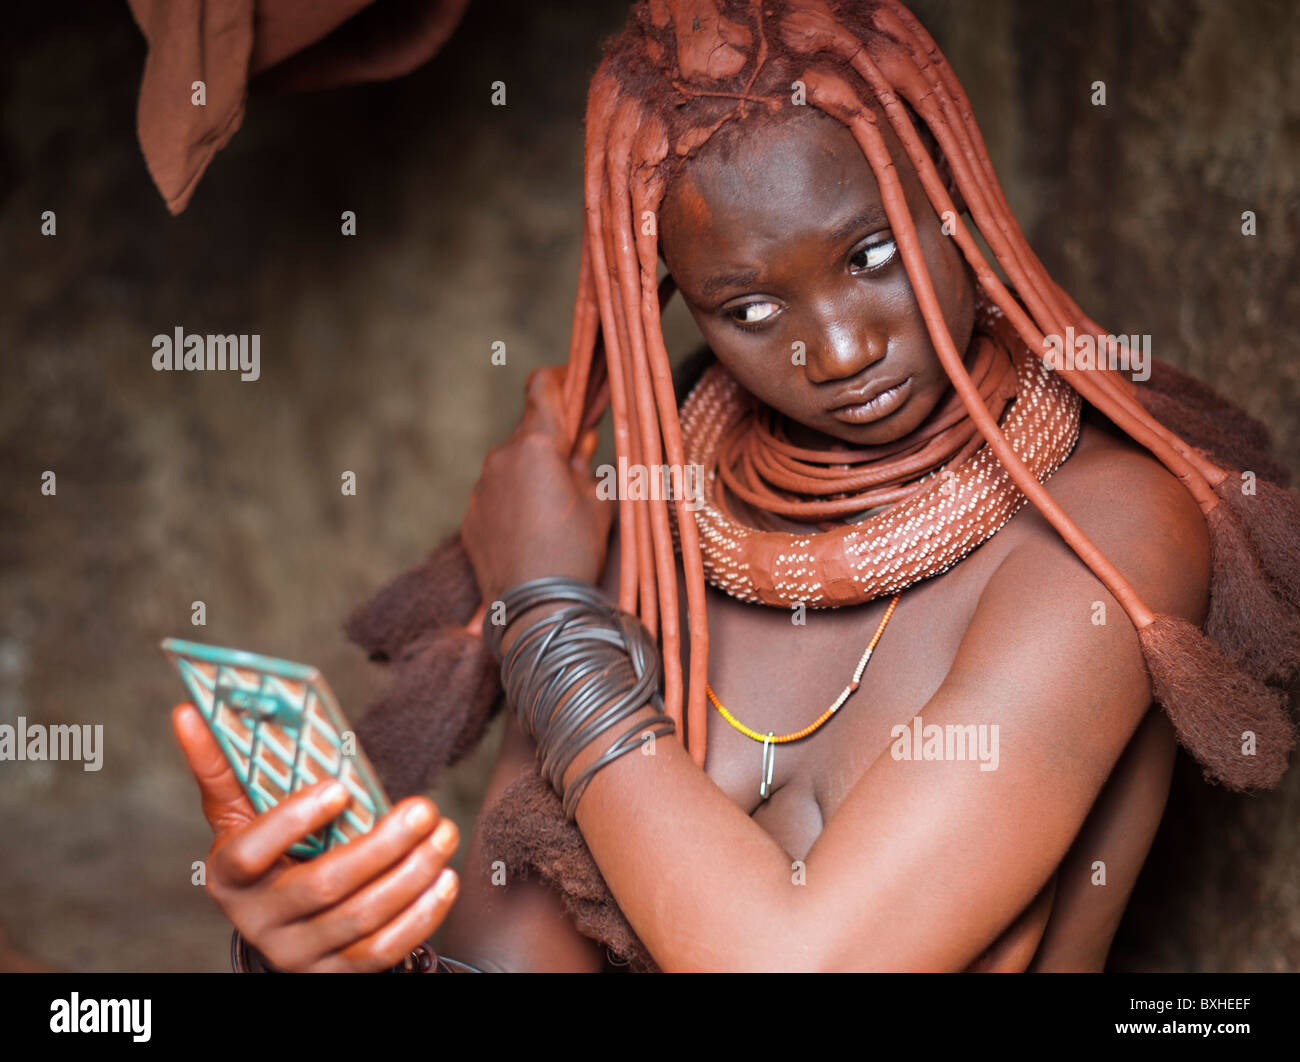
[(787, 243)]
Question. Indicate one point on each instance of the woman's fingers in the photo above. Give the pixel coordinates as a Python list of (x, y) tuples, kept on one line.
[(543, 404), (363, 905), (373, 907), (311, 888), (584, 451), (392, 943), (225, 805), (246, 854)]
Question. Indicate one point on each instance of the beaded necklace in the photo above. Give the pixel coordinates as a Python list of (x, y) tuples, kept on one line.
[(769, 739), (937, 510)]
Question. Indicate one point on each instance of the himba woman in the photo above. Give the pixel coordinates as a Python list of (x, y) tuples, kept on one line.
[(878, 700)]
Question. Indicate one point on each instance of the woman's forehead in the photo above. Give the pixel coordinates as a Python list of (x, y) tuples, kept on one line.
[(769, 181)]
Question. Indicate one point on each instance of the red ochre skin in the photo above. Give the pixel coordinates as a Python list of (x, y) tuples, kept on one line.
[(906, 865)]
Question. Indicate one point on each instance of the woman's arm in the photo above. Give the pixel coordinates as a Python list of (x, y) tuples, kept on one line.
[(925, 863), (522, 925)]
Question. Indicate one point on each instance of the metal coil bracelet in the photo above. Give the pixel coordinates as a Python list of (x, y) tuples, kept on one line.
[(576, 674)]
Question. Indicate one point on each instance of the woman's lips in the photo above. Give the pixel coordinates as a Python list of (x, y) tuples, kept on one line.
[(877, 408)]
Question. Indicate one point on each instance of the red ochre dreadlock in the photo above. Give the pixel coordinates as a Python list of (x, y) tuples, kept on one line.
[(679, 72)]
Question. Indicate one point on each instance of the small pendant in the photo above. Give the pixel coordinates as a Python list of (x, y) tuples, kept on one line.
[(769, 761)]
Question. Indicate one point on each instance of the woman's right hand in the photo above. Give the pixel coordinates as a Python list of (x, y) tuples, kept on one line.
[(361, 907)]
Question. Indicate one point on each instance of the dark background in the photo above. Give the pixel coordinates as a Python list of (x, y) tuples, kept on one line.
[(180, 487)]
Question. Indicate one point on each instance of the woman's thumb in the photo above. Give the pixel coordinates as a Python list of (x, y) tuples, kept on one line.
[(225, 805)]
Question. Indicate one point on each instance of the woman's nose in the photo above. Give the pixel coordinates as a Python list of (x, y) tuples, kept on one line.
[(844, 345)]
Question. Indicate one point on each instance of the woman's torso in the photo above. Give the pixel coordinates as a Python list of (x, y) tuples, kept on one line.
[(775, 675)]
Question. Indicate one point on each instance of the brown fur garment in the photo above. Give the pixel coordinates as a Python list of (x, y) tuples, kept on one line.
[(439, 591), (1210, 422), (527, 829)]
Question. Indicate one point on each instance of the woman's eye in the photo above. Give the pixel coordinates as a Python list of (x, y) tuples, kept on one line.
[(874, 255), (752, 313)]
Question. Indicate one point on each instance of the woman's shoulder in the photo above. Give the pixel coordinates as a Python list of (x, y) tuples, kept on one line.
[(1139, 515)]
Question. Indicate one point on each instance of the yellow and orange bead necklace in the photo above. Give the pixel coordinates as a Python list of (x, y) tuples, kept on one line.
[(770, 739)]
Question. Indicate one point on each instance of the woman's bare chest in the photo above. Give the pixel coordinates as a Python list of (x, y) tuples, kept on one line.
[(778, 671)]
